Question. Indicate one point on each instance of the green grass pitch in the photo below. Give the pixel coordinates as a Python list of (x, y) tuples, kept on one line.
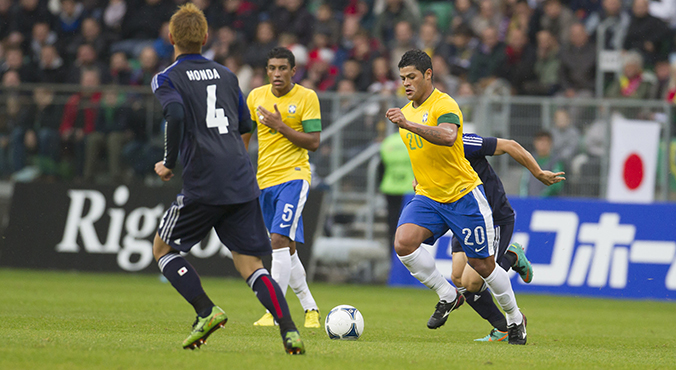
[(58, 320)]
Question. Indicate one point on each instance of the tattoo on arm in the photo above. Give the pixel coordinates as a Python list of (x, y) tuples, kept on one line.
[(427, 132)]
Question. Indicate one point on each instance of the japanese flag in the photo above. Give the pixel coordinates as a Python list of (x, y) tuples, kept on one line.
[(633, 160)]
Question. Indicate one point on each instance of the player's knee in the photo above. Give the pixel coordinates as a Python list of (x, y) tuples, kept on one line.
[(160, 248), (280, 241), (473, 286), (456, 279), (404, 246)]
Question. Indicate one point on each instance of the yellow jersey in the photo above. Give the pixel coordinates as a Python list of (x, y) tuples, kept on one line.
[(442, 172), (279, 160)]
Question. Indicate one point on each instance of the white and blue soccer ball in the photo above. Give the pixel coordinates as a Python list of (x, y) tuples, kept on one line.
[(344, 322)]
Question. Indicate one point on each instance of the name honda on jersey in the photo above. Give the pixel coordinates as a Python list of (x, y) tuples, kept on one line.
[(203, 74)]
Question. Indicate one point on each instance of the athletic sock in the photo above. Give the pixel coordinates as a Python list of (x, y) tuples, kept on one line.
[(184, 278), (508, 260), (298, 283), (483, 304), (268, 293), (281, 268), (421, 265), (499, 284)]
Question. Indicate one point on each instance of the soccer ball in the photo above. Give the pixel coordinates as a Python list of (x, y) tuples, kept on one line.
[(344, 322)]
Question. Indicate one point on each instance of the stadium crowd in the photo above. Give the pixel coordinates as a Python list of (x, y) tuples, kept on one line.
[(533, 47)]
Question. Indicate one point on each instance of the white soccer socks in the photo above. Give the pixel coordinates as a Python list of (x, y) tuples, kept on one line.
[(499, 284), (421, 265), (281, 267), (298, 283)]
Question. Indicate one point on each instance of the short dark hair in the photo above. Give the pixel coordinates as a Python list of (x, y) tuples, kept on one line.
[(282, 53), (542, 135), (416, 58)]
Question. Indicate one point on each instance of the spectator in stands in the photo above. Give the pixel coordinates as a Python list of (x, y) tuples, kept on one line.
[(465, 90), (631, 82), (163, 47), (14, 61), (442, 78), (465, 11), (37, 132), (300, 52), (140, 153), (321, 73), (520, 61), (257, 52), (662, 76), (351, 71), (487, 59), (51, 67), (90, 33), (110, 133), (365, 49), (461, 50), (557, 19), (664, 10), (404, 40), (530, 186), (119, 72), (79, 117), (226, 42), (5, 18), (113, 15), (69, 20), (140, 26), (382, 81), (244, 72), (521, 16), (547, 66), (42, 36), (565, 136), (329, 23), (24, 16), (647, 34), (392, 13), (295, 18), (615, 19), (349, 30), (583, 9), (240, 16), (578, 64), (430, 39), (86, 59), (10, 110), (488, 17), (149, 65)]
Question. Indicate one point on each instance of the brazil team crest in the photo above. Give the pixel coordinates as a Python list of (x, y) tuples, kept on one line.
[(292, 109), (424, 118)]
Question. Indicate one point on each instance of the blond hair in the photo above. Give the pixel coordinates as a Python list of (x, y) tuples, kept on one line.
[(188, 27)]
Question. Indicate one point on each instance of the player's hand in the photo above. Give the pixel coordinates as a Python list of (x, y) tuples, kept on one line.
[(270, 119), (550, 178), (164, 173), (396, 116)]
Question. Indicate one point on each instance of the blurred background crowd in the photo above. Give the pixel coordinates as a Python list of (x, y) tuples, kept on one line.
[(524, 47)]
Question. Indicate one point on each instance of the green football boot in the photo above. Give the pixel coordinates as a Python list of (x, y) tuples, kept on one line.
[(293, 344), (204, 326), (522, 265), (494, 336)]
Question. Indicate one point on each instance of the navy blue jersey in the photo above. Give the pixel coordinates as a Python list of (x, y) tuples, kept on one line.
[(216, 166), (476, 150)]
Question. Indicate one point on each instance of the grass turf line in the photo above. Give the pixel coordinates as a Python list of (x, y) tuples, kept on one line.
[(63, 320)]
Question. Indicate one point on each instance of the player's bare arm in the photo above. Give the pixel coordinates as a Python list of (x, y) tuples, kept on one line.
[(521, 155), (246, 138), (305, 140), (443, 134)]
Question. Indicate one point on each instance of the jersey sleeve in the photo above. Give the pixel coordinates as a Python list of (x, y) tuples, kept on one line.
[(477, 146), (312, 117), (164, 90), (448, 111), (245, 121)]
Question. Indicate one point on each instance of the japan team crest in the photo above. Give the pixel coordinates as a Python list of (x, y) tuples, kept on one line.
[(292, 109), (424, 118)]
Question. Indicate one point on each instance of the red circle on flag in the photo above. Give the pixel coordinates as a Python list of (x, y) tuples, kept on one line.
[(633, 171)]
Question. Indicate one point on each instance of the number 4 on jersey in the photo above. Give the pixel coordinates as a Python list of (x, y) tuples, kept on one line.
[(215, 116)]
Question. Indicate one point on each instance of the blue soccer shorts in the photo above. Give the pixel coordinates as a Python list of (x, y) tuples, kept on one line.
[(283, 207), (470, 218), (238, 226), (503, 237)]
